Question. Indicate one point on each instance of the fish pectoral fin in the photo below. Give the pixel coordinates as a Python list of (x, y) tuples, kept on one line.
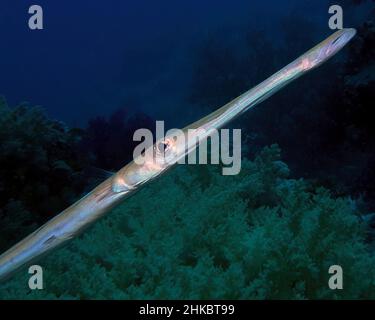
[(95, 176)]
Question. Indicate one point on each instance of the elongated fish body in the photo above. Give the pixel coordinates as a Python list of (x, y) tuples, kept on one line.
[(72, 221)]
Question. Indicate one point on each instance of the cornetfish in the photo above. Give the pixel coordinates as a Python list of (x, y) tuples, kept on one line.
[(72, 221)]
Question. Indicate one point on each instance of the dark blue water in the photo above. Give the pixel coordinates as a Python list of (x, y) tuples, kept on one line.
[(92, 58)]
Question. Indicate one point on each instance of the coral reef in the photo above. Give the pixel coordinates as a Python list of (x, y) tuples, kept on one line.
[(45, 166), (39, 170), (196, 234), (110, 141)]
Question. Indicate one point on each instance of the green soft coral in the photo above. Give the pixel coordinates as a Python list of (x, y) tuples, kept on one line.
[(195, 234), (39, 170)]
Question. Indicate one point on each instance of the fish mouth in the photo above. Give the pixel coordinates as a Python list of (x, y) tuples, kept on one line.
[(338, 40), (328, 48)]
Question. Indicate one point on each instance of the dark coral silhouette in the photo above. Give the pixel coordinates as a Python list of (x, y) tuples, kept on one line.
[(110, 141)]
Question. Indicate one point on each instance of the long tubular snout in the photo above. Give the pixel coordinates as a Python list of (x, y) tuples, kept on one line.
[(303, 64)]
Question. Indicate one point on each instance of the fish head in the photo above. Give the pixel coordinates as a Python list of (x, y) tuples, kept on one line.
[(152, 162)]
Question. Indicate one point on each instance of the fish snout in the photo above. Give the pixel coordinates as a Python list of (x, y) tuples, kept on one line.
[(326, 49), (338, 40)]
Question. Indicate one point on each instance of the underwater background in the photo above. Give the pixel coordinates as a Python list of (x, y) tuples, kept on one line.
[(73, 94)]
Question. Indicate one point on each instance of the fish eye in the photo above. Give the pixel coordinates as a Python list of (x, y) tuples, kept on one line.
[(163, 146)]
